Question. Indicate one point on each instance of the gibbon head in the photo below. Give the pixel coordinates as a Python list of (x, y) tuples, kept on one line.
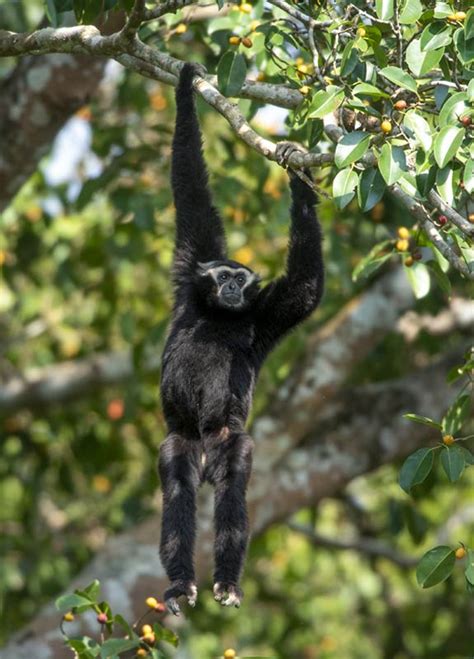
[(227, 285)]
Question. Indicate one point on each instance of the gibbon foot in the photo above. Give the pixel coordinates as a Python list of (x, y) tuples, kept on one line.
[(177, 589), (228, 594)]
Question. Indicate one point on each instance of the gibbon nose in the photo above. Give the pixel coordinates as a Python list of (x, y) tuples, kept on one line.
[(231, 286)]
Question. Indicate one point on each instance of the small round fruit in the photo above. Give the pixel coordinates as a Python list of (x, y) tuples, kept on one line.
[(115, 409), (102, 618), (147, 629), (68, 617), (304, 90), (230, 654), (149, 638), (302, 68), (448, 440), (442, 219), (403, 232), (361, 32), (409, 261), (402, 245), (160, 607), (247, 42), (260, 76), (460, 552), (234, 41), (400, 105), (246, 8), (417, 256), (254, 25), (141, 652), (386, 126), (466, 120), (181, 28), (152, 602), (460, 15), (470, 218)]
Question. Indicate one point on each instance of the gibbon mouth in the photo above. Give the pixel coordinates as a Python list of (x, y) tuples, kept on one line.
[(232, 298)]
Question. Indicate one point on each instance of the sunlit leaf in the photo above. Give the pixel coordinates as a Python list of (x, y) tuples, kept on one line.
[(435, 566), (452, 460)]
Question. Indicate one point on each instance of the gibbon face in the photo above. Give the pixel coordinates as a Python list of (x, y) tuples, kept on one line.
[(228, 285)]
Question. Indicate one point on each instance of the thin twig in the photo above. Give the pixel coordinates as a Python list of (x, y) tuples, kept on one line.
[(398, 34)]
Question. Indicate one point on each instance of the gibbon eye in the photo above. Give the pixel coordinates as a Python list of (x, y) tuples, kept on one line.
[(241, 279), (223, 276)]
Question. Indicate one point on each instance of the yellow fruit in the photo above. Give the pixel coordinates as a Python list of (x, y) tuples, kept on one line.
[(302, 68), (448, 440), (361, 32), (460, 552), (460, 15), (152, 602), (260, 76), (304, 90), (181, 28), (3, 257), (245, 8), (149, 638), (470, 217), (409, 261), (403, 232), (386, 126), (402, 245), (147, 629), (68, 617), (299, 60), (142, 652), (234, 41), (230, 654), (254, 25), (247, 42)]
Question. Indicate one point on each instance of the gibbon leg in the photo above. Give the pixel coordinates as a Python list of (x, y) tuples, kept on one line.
[(228, 467), (179, 472)]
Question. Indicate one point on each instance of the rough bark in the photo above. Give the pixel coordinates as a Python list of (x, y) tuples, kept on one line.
[(360, 430)]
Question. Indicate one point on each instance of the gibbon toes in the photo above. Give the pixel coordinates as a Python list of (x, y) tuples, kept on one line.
[(177, 589), (228, 594), (284, 151)]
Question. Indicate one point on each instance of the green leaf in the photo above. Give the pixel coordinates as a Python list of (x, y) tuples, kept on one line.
[(370, 263), (453, 108), (85, 647), (419, 279), (421, 62), (325, 102), (410, 12), (435, 35), (469, 25), (350, 148), (435, 566), (343, 187), (464, 47), (468, 456), (457, 414), (442, 279), (392, 163), (113, 646), (469, 571), (447, 143), (68, 602), (231, 72), (51, 13), (365, 89), (420, 128), (445, 184), (452, 460), (422, 419), (416, 468), (370, 189), (384, 9), (468, 177), (165, 634), (443, 10), (399, 77)]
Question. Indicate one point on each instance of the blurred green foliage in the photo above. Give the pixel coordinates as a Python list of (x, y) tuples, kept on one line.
[(85, 270)]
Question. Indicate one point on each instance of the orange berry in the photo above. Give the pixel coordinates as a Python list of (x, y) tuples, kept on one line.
[(68, 617), (181, 28), (460, 552), (234, 41), (470, 217), (304, 90), (448, 440), (149, 638), (141, 652), (151, 602), (386, 126), (400, 105), (230, 654), (466, 120), (409, 261), (361, 32), (147, 629), (247, 42), (115, 409)]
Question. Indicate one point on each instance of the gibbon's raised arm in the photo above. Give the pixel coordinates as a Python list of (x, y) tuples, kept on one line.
[(199, 230), (291, 298)]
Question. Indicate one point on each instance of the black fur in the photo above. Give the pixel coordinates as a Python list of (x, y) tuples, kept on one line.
[(211, 361)]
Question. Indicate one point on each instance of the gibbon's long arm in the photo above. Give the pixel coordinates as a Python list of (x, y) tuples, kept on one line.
[(291, 298), (199, 231)]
